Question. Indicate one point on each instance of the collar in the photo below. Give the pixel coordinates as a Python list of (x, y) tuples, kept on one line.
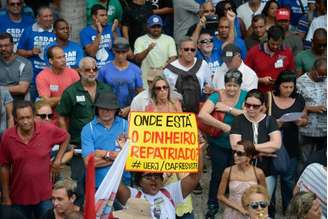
[(98, 86), (36, 28), (97, 121)]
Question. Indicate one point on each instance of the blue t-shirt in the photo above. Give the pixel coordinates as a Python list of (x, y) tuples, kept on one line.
[(223, 139), (16, 29), (35, 37), (73, 53), (238, 42), (295, 8), (123, 82), (105, 52), (95, 136), (214, 61)]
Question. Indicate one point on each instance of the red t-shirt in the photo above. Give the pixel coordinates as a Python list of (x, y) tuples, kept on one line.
[(265, 65), (53, 85), (30, 181)]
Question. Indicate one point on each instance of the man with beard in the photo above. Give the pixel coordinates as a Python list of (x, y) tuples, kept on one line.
[(154, 50), (270, 58), (97, 39), (76, 108)]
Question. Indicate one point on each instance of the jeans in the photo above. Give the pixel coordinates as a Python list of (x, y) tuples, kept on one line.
[(271, 184), (288, 181), (221, 158), (34, 211), (77, 174), (186, 216)]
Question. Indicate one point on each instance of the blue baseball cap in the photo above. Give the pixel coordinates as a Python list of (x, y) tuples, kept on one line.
[(154, 20)]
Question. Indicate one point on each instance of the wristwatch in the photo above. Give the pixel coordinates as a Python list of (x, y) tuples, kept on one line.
[(107, 156)]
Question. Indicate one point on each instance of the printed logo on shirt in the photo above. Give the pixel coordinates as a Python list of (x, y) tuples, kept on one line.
[(15, 33), (70, 58), (105, 41), (41, 42)]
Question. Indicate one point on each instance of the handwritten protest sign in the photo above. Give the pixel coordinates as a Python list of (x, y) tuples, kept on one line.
[(163, 142)]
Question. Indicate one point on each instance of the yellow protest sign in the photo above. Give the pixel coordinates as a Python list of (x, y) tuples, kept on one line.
[(163, 142)]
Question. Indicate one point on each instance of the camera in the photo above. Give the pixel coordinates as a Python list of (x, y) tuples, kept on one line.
[(212, 23), (212, 19)]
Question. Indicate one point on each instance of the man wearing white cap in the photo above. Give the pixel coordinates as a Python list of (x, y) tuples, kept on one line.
[(154, 49)]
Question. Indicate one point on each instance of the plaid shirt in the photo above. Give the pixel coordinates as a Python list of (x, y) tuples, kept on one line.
[(315, 94)]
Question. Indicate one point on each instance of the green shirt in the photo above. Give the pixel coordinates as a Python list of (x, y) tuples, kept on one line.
[(305, 60), (223, 140), (77, 105), (115, 10)]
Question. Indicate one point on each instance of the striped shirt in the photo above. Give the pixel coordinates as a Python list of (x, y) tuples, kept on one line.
[(314, 179)]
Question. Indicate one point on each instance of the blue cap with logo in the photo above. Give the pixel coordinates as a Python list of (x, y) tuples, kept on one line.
[(154, 20)]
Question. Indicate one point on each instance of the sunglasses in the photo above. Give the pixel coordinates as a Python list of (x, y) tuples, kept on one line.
[(256, 205), (209, 11), (121, 51), (44, 116), (95, 69), (189, 49), (15, 4), (206, 41), (255, 106), (239, 153), (152, 176), (156, 27), (161, 88)]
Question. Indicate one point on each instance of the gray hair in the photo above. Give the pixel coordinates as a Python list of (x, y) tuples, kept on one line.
[(85, 60)]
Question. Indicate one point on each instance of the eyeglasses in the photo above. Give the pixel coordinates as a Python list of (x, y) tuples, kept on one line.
[(161, 88), (209, 11), (152, 176), (95, 69), (15, 4), (206, 41), (255, 106), (189, 49), (44, 116), (256, 205), (239, 153)]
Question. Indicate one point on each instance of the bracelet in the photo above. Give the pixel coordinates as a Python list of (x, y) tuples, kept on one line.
[(107, 156), (230, 109)]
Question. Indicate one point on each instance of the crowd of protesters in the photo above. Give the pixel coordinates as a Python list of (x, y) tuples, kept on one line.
[(254, 73)]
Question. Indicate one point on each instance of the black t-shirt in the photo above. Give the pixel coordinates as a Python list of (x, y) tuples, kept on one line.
[(289, 129), (135, 18), (242, 126)]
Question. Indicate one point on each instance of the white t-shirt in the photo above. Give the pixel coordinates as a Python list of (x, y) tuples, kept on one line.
[(318, 22), (249, 80), (157, 57), (246, 13), (160, 203), (203, 73)]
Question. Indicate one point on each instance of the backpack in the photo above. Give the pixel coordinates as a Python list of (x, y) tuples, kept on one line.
[(188, 86)]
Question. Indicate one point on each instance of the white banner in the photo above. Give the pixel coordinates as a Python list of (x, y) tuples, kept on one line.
[(106, 192)]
